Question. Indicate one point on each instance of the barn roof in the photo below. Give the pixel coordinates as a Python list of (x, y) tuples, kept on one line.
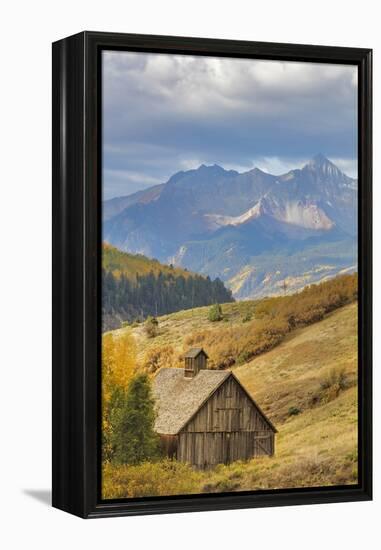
[(193, 352), (178, 398)]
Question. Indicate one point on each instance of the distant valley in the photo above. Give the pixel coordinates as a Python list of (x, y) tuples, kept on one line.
[(260, 234)]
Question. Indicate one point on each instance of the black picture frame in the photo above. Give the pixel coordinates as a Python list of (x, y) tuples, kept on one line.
[(77, 161)]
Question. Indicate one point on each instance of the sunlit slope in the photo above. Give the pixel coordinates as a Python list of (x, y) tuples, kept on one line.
[(308, 387), (131, 264), (174, 328)]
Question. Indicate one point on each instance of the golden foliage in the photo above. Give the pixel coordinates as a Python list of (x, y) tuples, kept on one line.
[(166, 477), (274, 318), (157, 357), (312, 303), (118, 362), (238, 344), (118, 367), (120, 262), (169, 477)]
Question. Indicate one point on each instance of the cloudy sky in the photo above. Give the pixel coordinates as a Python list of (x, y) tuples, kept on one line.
[(165, 113)]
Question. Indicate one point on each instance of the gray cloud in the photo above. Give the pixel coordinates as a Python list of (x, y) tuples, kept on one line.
[(164, 113)]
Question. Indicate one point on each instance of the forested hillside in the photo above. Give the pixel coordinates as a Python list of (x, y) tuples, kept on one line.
[(134, 287), (130, 265)]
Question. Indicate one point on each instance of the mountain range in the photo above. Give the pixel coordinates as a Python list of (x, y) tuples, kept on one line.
[(260, 233)]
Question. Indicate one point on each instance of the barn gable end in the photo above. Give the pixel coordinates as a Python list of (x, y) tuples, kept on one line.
[(229, 408)]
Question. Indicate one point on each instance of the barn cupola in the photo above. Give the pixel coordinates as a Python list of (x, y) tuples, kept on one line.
[(195, 359)]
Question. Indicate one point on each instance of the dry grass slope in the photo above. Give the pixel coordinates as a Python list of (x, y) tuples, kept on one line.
[(175, 327), (308, 387), (312, 374)]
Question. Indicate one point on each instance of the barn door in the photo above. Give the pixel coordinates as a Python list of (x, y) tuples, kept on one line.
[(262, 445)]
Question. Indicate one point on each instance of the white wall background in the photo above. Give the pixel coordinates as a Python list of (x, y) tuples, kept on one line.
[(27, 29)]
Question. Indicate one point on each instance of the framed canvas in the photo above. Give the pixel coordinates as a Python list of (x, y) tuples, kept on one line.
[(211, 274)]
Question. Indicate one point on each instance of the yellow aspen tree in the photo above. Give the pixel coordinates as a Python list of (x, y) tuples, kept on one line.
[(118, 367)]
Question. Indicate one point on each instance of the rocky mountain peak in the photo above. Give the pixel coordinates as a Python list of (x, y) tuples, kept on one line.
[(321, 165), (210, 168)]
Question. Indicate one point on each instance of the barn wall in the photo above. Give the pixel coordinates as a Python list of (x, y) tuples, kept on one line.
[(227, 428), (229, 409), (201, 362), (211, 448), (189, 368), (193, 365)]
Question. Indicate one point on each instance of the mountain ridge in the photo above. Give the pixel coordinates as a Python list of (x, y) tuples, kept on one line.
[(218, 222)]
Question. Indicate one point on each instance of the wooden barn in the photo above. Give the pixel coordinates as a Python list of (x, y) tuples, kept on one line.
[(206, 417)]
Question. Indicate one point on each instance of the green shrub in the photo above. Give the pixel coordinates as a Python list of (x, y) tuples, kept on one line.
[(151, 327), (293, 411), (215, 313)]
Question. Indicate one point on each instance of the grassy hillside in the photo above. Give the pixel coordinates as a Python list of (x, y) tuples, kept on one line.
[(176, 327), (291, 374), (247, 328), (308, 387)]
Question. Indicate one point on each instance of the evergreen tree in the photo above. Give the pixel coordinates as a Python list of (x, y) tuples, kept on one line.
[(154, 295), (133, 437)]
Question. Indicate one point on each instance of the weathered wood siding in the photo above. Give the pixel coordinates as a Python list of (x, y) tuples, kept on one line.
[(206, 450), (189, 368), (193, 365), (228, 427), (201, 362), (229, 409)]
